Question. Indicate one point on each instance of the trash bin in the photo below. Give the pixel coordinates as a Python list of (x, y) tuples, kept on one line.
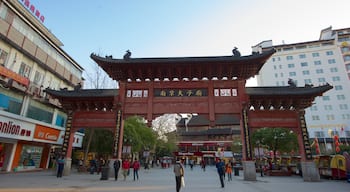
[(236, 170), (104, 173)]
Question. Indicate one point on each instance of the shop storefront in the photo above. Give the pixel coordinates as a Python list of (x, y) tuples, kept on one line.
[(26, 145)]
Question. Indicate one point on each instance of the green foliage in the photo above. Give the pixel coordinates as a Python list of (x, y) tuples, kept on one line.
[(275, 139), (138, 135), (101, 142)]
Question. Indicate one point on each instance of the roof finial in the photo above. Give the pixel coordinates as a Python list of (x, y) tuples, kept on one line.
[(235, 52), (127, 55)]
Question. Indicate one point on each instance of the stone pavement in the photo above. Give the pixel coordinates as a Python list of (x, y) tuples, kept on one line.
[(161, 180)]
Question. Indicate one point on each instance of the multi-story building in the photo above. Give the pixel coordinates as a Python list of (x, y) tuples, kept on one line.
[(197, 141), (31, 59), (326, 60)]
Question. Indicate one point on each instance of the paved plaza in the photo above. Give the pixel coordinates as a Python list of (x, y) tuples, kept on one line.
[(161, 180)]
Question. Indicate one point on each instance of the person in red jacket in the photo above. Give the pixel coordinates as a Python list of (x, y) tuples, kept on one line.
[(136, 167), (125, 167)]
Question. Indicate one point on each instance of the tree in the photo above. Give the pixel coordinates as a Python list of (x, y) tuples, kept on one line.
[(275, 139), (139, 136), (97, 78), (164, 125)]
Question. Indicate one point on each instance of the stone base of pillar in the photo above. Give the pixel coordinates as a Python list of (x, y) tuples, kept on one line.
[(67, 166), (310, 171), (249, 171)]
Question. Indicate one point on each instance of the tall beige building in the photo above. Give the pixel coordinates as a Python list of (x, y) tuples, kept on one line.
[(316, 62), (31, 59)]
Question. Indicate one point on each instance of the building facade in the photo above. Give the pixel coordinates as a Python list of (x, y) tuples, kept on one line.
[(315, 63), (32, 124), (199, 142)]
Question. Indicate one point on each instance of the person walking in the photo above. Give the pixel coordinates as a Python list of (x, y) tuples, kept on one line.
[(126, 168), (136, 167), (220, 166), (60, 166), (116, 166), (229, 171), (179, 174), (203, 164)]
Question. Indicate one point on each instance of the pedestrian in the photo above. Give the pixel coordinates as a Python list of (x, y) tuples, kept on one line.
[(179, 175), (203, 164), (60, 166), (229, 171), (191, 164), (220, 166), (125, 167), (116, 166), (136, 167)]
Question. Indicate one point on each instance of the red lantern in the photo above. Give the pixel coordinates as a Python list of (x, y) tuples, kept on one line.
[(336, 137), (337, 149)]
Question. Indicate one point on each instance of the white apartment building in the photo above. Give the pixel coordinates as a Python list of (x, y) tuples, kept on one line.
[(326, 60), (32, 125)]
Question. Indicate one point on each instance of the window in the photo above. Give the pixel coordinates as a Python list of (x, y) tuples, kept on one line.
[(289, 57), (288, 48), (3, 57), (306, 72), (338, 87), (340, 97), (302, 56), (328, 107), (317, 62), (37, 78), (334, 69), (346, 116), (329, 53), (319, 134), (321, 80), (315, 54), (307, 81), (343, 106), (347, 67), (39, 114), (330, 117), (291, 74), (313, 108), (304, 64), (346, 57), (345, 49), (331, 61), (276, 75), (291, 65), (319, 71), (325, 98), (315, 117), (336, 78), (24, 70), (274, 67)]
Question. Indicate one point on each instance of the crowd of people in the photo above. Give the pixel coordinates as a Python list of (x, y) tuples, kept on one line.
[(128, 166)]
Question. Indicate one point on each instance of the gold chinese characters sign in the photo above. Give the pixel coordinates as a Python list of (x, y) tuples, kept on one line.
[(180, 92)]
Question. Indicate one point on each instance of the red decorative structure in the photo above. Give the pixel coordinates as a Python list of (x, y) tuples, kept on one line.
[(211, 87)]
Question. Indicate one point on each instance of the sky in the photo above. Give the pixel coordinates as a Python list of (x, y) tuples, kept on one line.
[(184, 28)]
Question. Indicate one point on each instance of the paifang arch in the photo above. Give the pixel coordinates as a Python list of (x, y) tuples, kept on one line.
[(209, 86)]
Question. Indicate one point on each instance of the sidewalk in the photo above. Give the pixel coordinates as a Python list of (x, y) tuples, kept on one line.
[(161, 180)]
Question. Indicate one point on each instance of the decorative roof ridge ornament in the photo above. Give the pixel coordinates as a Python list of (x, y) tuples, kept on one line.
[(127, 55), (291, 83), (235, 52)]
